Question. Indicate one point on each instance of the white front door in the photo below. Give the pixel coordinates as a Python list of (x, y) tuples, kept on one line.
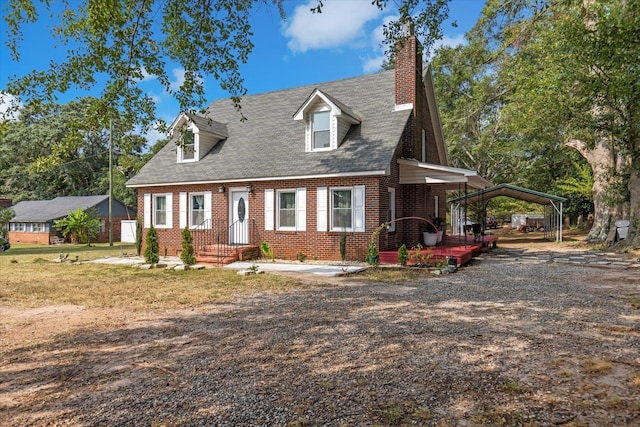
[(239, 230)]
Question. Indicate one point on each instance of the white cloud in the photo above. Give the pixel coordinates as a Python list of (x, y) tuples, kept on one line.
[(146, 75), (153, 135), (450, 41), (178, 74), (372, 65), (340, 22), (9, 106)]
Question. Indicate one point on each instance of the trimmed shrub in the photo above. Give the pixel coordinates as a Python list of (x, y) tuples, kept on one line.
[(152, 250), (187, 255)]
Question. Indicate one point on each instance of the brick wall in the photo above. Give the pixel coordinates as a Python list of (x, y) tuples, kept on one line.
[(286, 244), (411, 200), (31, 238)]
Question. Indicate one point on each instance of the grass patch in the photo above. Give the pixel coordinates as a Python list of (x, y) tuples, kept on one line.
[(392, 413), (635, 380), (99, 285), (597, 366), (393, 275), (25, 253), (615, 402), (513, 386), (34, 280)]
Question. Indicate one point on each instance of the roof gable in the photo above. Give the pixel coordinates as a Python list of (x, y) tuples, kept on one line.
[(202, 124), (337, 107)]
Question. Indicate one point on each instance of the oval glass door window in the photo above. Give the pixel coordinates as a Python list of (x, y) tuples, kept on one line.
[(241, 209)]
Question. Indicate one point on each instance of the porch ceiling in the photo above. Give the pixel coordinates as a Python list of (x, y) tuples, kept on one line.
[(415, 172)]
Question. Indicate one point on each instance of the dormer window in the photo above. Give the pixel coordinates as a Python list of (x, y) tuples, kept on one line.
[(327, 121), (195, 136), (188, 146), (321, 133)]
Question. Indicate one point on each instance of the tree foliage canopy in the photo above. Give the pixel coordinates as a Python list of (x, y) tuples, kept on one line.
[(47, 152), (117, 44), (544, 88)]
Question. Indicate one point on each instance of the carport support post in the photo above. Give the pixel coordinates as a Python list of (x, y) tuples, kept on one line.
[(561, 222), (110, 182), (465, 213)]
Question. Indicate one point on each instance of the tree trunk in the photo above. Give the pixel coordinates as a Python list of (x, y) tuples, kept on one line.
[(600, 158)]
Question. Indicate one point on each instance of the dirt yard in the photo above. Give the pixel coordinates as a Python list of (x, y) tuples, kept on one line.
[(501, 342)]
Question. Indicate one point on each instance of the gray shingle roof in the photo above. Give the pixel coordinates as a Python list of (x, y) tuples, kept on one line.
[(47, 210), (209, 125), (270, 144)]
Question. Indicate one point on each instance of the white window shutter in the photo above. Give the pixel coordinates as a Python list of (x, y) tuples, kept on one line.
[(169, 210), (301, 209), (268, 209), (146, 210), (358, 208), (207, 209), (183, 209), (321, 219)]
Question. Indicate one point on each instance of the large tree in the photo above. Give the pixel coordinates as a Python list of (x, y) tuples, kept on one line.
[(570, 78), (47, 152), (472, 98), (577, 76)]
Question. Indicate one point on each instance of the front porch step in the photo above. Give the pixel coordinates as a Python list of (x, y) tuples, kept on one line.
[(216, 260), (219, 255)]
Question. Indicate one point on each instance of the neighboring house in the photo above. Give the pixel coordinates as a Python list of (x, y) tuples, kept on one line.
[(307, 166), (34, 219)]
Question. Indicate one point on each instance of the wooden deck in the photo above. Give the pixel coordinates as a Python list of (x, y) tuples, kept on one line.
[(451, 246)]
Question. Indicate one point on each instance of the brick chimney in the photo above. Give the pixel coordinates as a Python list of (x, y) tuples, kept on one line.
[(5, 203), (408, 71)]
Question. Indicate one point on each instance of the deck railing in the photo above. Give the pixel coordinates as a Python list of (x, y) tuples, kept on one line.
[(223, 239)]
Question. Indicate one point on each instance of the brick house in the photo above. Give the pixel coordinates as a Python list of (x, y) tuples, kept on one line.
[(309, 165), (33, 222)]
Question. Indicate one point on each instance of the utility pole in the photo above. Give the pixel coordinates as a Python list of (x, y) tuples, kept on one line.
[(110, 182)]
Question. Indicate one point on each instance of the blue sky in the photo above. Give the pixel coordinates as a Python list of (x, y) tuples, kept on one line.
[(343, 41)]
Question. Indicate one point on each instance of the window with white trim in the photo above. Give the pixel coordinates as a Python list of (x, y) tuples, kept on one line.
[(286, 217), (341, 209), (320, 130), (391, 213), (188, 146), (160, 210), (196, 209)]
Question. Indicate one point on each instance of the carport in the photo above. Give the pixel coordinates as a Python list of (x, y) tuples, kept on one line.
[(552, 205)]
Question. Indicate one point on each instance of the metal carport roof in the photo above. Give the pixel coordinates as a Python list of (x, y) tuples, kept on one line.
[(510, 190)]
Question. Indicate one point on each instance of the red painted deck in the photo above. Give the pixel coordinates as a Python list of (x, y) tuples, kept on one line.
[(451, 246)]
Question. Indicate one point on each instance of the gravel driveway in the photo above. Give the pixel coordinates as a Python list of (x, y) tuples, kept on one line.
[(499, 343)]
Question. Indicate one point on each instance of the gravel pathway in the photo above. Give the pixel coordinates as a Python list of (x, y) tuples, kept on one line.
[(501, 342)]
